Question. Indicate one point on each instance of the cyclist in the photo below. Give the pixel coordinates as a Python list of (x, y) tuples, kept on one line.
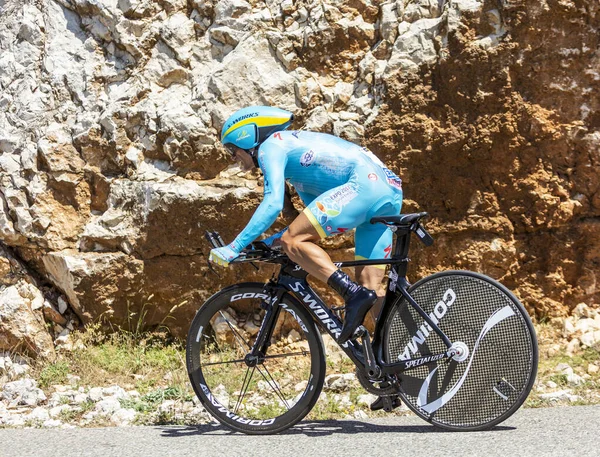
[(342, 185)]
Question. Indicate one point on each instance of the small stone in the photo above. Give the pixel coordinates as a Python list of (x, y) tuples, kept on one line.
[(301, 386), (167, 406), (39, 414), (123, 417), (52, 423), (57, 410), (564, 368), (551, 384), (294, 336), (582, 310), (53, 314), (62, 305), (573, 346), (95, 394), (589, 339), (114, 391), (23, 392), (568, 327), (560, 395), (593, 369), (553, 350), (108, 405), (574, 379)]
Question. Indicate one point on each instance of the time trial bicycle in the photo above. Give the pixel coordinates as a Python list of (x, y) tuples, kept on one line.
[(457, 346)]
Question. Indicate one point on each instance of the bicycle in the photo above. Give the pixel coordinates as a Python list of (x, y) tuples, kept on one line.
[(457, 347)]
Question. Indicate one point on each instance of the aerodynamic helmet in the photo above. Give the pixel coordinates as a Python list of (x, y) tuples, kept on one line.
[(249, 127)]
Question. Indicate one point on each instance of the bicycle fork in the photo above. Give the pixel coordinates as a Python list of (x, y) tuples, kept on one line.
[(263, 337)]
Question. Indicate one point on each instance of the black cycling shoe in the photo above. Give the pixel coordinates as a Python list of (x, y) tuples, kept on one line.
[(380, 403), (357, 307)]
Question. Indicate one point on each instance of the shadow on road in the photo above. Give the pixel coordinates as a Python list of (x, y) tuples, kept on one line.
[(314, 428)]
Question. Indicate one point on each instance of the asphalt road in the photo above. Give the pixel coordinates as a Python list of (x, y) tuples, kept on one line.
[(560, 431)]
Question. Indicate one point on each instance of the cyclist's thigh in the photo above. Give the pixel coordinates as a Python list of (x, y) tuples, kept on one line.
[(374, 241)]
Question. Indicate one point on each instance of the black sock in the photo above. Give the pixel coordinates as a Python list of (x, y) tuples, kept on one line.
[(342, 284)]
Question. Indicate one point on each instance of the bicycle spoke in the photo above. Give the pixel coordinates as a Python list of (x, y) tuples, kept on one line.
[(224, 362), (245, 386), (287, 354), (236, 334), (274, 386)]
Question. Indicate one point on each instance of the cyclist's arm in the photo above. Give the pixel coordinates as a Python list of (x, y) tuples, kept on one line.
[(272, 161)]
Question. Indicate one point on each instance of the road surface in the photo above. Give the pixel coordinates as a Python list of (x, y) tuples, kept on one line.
[(559, 431)]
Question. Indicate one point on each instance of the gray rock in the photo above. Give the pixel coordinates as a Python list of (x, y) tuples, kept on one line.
[(123, 417), (23, 392), (108, 406)]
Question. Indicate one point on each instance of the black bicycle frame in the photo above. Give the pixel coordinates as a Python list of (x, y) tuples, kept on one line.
[(293, 278)]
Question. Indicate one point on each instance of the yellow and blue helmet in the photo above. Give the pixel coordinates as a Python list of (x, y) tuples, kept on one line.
[(249, 127)]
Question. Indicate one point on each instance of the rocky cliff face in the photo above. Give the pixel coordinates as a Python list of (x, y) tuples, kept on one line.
[(110, 170)]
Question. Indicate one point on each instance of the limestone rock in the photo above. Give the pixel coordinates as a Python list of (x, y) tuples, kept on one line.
[(111, 170), (21, 321)]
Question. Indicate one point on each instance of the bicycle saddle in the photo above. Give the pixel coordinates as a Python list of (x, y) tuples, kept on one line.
[(400, 219)]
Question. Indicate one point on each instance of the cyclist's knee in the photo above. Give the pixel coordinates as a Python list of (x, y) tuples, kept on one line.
[(289, 243)]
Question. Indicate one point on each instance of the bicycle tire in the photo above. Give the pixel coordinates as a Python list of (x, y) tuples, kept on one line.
[(499, 371), (287, 383)]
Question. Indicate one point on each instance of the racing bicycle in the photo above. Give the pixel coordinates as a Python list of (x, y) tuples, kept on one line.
[(457, 347)]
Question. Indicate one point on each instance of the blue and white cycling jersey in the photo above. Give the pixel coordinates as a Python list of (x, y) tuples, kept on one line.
[(342, 184)]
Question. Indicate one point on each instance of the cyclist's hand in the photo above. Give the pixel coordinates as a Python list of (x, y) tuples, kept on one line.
[(223, 256)]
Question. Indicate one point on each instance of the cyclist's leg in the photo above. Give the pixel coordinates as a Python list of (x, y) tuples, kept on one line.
[(374, 241), (335, 211), (330, 213), (299, 244)]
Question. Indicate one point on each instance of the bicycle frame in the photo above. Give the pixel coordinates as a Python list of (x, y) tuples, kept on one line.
[(292, 278)]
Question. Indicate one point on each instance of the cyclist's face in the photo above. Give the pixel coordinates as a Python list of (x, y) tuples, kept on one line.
[(241, 157)]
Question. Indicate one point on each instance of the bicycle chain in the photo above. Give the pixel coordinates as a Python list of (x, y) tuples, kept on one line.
[(369, 386)]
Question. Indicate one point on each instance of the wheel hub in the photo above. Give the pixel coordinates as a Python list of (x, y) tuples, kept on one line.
[(460, 350)]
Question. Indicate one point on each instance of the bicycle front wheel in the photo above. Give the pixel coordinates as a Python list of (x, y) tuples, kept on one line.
[(498, 367), (255, 396)]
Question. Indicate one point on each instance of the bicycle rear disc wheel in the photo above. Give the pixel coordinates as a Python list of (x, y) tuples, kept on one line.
[(254, 398), (500, 364)]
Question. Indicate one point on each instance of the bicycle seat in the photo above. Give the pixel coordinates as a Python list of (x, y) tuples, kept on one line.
[(400, 219)]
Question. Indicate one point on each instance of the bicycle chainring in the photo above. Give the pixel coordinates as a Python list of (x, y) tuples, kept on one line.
[(375, 387)]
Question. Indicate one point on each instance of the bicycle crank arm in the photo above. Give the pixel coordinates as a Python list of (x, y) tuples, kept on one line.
[(373, 370)]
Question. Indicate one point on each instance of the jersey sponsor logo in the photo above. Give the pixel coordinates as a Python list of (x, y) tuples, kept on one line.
[(331, 206), (340, 230), (344, 195), (307, 158), (278, 136), (243, 134), (387, 251), (372, 176), (334, 166), (329, 211), (392, 178), (337, 230)]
